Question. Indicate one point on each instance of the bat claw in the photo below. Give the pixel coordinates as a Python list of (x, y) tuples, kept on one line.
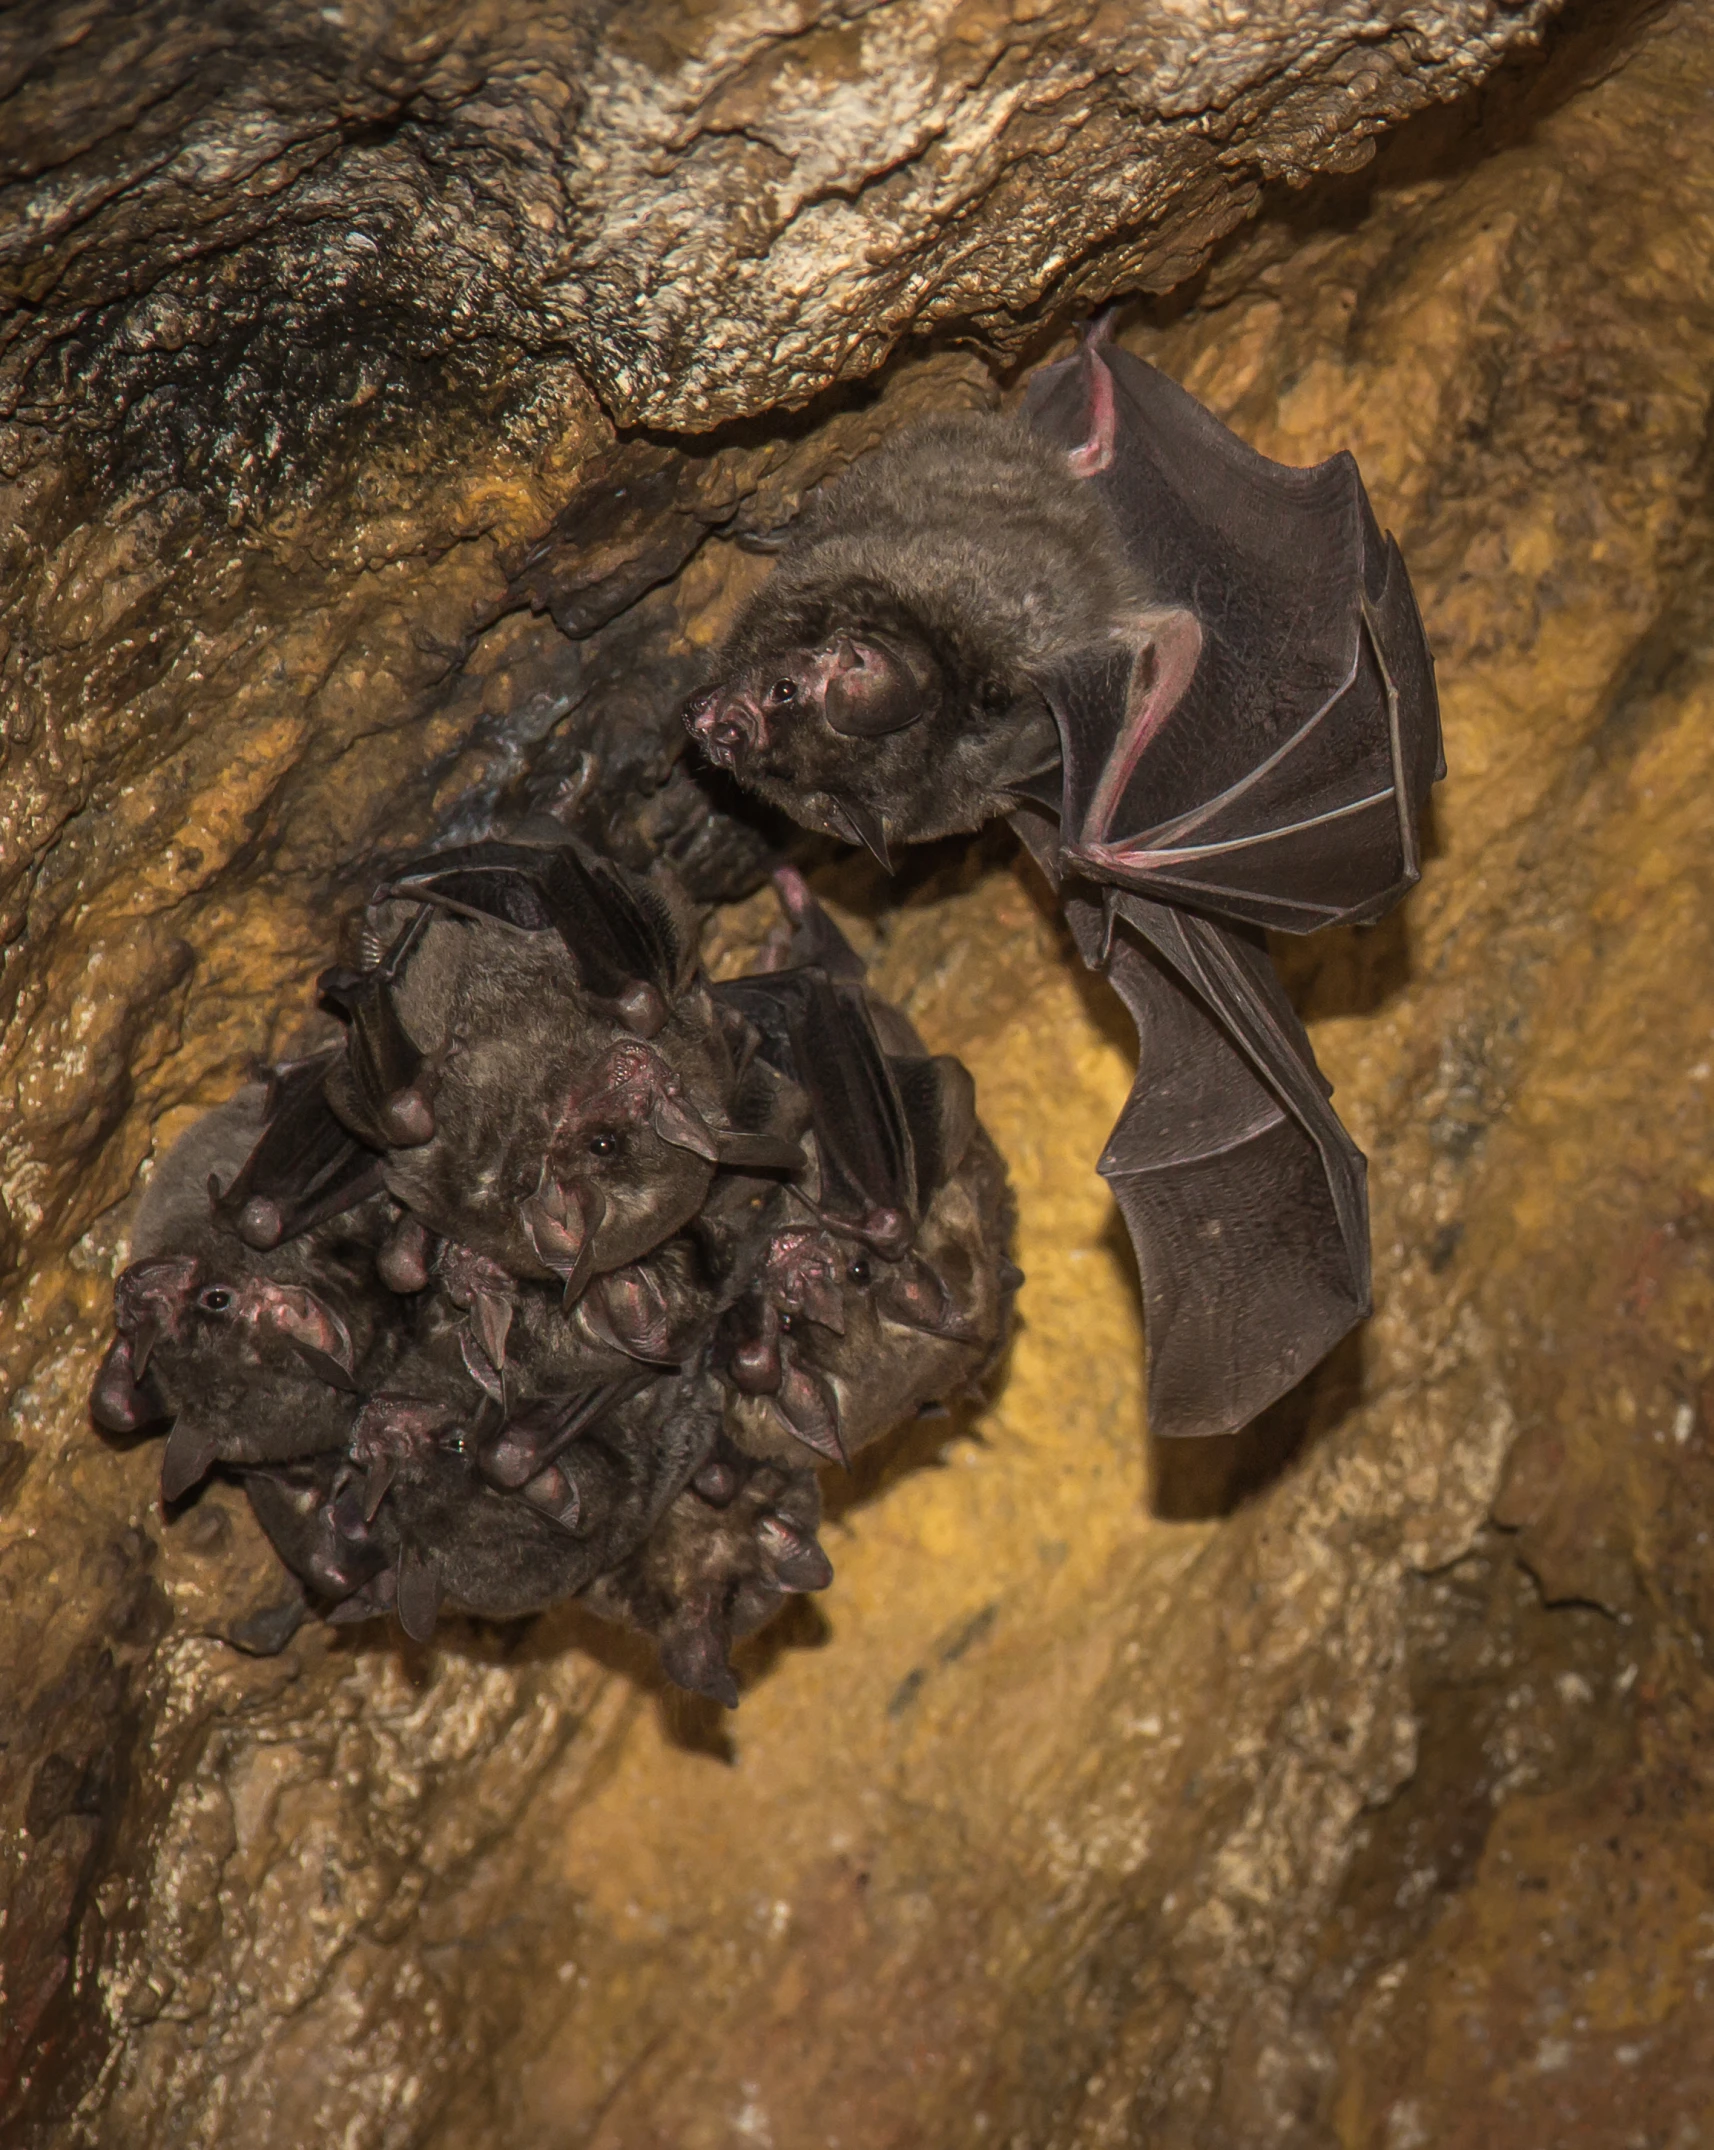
[(403, 1262), (642, 1010), (556, 1496)]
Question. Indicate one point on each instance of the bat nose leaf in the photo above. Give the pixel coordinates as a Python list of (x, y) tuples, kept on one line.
[(561, 1226), (810, 1411), (798, 1562)]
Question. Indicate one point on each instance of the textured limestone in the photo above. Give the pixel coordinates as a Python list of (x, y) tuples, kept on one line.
[(1374, 1813)]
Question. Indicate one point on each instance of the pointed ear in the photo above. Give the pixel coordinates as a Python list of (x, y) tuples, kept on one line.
[(419, 1595), (871, 690), (862, 825), (796, 1559), (192, 1451), (324, 1366), (677, 1121), (811, 1412)]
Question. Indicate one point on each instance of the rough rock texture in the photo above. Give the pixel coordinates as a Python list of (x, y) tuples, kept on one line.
[(1083, 1813)]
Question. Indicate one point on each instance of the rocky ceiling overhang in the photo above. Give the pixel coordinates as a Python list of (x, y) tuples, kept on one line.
[(383, 389)]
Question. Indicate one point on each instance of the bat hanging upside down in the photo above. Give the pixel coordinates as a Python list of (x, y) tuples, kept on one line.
[(1197, 682)]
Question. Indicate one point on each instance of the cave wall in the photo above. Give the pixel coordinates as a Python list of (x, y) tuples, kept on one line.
[(383, 398)]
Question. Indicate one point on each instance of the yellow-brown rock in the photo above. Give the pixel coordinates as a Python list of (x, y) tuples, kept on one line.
[(1344, 1784)]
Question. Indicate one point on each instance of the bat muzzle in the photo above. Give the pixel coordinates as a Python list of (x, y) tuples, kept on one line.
[(725, 724)]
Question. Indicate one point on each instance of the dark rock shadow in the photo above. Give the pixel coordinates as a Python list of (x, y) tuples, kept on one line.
[(1199, 1481)]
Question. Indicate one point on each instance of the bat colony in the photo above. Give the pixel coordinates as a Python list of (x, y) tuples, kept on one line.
[(564, 1271), (567, 1269)]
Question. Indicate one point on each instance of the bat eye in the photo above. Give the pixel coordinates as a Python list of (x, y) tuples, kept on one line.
[(604, 1145), (782, 692), (859, 1271), (788, 1322), (216, 1300)]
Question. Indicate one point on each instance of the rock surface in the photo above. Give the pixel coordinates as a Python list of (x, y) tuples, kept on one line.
[(1086, 1812)]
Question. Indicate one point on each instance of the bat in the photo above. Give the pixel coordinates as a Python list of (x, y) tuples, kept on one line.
[(433, 1528), (539, 1062), (346, 1286), (734, 1544), (1197, 682), (252, 1354), (885, 1284)]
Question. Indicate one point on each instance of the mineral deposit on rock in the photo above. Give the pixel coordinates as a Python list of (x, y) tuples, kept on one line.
[(1344, 1784)]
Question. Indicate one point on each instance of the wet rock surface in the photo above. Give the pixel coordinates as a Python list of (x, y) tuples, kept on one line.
[(1089, 1808)]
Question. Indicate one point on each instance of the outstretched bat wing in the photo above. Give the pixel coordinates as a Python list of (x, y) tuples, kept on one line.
[(1243, 1194), (1261, 747)]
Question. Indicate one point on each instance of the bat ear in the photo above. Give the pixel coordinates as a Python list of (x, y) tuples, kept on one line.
[(863, 826), (419, 1595), (871, 690), (192, 1451), (678, 1122)]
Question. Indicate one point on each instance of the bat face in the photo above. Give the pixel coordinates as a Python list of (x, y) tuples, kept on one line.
[(184, 1318), (836, 1343), (835, 733), (559, 1180), (733, 1544)]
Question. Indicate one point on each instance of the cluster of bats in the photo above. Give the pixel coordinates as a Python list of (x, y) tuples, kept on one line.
[(565, 1270), (568, 1269)]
